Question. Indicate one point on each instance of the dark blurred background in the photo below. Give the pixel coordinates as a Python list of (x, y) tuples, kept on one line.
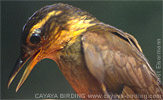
[(142, 19)]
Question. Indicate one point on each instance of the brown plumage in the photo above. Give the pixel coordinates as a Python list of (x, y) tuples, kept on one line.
[(94, 57), (121, 67)]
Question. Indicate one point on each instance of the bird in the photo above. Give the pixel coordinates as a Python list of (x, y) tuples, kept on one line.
[(94, 57)]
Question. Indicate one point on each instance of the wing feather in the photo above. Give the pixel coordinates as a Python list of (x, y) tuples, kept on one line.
[(117, 62)]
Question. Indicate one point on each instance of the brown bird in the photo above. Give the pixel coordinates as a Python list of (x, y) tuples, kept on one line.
[(94, 57)]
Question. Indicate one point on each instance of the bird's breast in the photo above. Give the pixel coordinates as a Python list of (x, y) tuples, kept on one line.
[(72, 65)]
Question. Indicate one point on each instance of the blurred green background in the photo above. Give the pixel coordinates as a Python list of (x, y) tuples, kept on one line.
[(142, 19)]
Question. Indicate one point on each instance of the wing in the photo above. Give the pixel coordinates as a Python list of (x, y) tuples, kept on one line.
[(116, 60)]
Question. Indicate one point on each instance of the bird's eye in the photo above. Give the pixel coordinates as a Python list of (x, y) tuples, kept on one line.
[(35, 38)]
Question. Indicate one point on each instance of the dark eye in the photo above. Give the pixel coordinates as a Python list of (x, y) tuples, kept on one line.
[(35, 38)]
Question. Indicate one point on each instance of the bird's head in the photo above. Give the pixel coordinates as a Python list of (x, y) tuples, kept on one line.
[(47, 32)]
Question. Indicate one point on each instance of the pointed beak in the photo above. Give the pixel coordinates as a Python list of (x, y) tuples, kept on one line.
[(23, 58)]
